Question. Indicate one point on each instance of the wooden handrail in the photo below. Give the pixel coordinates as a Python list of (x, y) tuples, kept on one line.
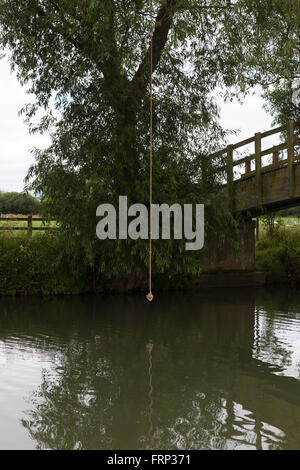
[(289, 145), (273, 131), (243, 142), (252, 139), (274, 148)]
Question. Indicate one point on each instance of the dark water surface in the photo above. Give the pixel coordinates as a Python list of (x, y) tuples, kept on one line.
[(224, 371)]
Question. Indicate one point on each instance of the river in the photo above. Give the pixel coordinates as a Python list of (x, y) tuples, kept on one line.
[(217, 369)]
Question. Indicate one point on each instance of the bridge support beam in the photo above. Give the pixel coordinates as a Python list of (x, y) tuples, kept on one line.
[(290, 154), (258, 168), (243, 259)]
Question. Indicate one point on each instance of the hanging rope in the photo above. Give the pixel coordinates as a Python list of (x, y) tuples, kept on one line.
[(150, 295)]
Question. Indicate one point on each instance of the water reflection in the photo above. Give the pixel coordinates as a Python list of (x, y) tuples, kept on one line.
[(226, 368), (149, 347)]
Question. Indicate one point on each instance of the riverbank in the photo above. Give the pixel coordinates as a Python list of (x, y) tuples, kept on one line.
[(41, 266)]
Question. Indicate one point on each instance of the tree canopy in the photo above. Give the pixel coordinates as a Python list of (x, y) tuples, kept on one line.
[(18, 203), (87, 63)]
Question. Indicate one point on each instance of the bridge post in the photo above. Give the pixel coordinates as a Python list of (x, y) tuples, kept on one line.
[(229, 170), (258, 167), (290, 155), (29, 226), (275, 157), (247, 166)]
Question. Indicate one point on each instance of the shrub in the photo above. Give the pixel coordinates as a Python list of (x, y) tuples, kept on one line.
[(18, 203), (39, 265), (278, 254), (272, 224)]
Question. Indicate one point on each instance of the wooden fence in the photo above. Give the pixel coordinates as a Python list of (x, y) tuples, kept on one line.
[(29, 227), (289, 159)]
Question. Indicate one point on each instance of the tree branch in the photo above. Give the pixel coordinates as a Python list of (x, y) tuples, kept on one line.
[(162, 27), (160, 35)]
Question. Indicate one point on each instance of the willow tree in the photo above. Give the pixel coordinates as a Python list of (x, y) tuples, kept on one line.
[(87, 63)]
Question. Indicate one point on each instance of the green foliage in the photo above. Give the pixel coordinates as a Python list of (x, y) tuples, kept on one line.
[(282, 90), (87, 63), (272, 224), (279, 256), (39, 265), (53, 263), (282, 103), (18, 203)]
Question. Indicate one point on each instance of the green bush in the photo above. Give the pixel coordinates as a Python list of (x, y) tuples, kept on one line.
[(40, 265), (18, 203), (50, 264), (272, 224), (278, 255)]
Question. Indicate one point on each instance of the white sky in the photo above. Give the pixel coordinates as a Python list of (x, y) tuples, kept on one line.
[(16, 142)]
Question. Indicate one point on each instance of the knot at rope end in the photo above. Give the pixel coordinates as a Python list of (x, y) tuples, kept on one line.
[(150, 296)]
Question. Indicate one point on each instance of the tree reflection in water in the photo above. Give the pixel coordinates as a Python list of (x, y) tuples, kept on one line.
[(215, 384)]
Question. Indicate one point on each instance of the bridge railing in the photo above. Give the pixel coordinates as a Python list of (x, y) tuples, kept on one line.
[(276, 152)]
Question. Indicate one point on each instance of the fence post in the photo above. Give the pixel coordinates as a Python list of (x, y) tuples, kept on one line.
[(29, 226), (258, 167), (248, 166), (229, 170), (290, 154), (275, 157)]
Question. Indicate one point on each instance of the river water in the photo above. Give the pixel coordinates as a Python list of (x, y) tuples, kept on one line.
[(210, 370)]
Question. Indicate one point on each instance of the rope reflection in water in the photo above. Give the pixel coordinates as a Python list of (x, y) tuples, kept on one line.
[(149, 347)]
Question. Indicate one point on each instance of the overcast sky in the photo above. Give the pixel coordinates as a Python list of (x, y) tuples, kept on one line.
[(16, 142)]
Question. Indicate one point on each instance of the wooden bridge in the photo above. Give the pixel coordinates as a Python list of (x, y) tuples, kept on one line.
[(270, 178)]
